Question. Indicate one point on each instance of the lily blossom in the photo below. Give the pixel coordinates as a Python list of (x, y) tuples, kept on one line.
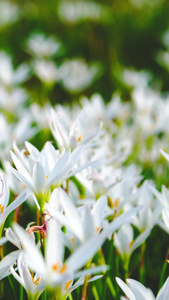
[(134, 290), (32, 284), (52, 268)]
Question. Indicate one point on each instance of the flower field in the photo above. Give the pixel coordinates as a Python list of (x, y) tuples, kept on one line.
[(84, 150)]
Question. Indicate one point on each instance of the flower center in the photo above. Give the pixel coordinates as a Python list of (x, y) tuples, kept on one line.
[(61, 269)]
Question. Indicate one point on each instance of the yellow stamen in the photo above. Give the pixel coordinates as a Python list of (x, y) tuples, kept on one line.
[(36, 282), (67, 284), (63, 269), (26, 153), (79, 138), (46, 177), (115, 203), (131, 243), (73, 240), (1, 209)]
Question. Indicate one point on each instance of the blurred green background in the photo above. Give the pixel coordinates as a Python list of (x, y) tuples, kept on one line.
[(113, 34)]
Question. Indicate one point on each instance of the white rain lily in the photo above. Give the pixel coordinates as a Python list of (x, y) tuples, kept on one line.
[(134, 290), (70, 134), (76, 75), (151, 212), (9, 13), (8, 76), (41, 46), (46, 71), (52, 269), (12, 100), (72, 12), (39, 170), (125, 243), (32, 284), (82, 223)]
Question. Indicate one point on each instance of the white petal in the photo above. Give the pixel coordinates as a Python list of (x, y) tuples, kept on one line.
[(22, 178), (39, 177), (126, 289), (122, 219), (21, 169), (141, 239), (54, 246), (139, 290), (57, 170), (85, 252), (18, 201), (33, 256)]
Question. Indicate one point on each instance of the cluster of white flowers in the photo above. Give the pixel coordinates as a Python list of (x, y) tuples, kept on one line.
[(78, 184)]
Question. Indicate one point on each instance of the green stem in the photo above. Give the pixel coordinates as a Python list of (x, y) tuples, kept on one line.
[(95, 293), (21, 293), (111, 287)]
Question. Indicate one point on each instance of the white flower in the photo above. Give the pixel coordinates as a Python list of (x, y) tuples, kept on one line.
[(32, 284), (82, 223), (40, 170), (8, 76), (134, 290), (76, 75), (46, 71), (41, 46), (9, 13), (53, 270), (71, 134), (125, 243)]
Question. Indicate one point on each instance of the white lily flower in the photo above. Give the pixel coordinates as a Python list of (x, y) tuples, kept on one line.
[(46, 71), (76, 74), (32, 284), (70, 134), (8, 76), (125, 243), (82, 223), (41, 46), (52, 269), (40, 170), (134, 290)]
